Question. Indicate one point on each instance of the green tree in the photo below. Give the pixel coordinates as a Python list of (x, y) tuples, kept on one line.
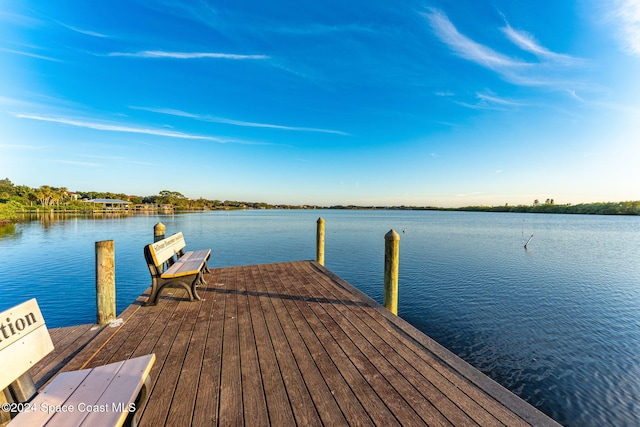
[(8, 211), (170, 197), (60, 195), (44, 194), (24, 194), (7, 189)]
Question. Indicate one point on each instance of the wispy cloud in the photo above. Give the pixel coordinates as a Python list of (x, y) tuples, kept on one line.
[(22, 147), (76, 163), (528, 42), (32, 55), (120, 159), (23, 20), (490, 102), (111, 127), (542, 73), (199, 11), (159, 54), (15, 102), (627, 16), (574, 95), (82, 31), (135, 162), (322, 29), (213, 119), (465, 47), (497, 100)]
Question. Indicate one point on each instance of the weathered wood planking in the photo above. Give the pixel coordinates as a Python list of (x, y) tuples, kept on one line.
[(67, 343), (293, 344)]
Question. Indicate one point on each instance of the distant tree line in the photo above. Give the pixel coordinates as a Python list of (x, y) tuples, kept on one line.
[(549, 206), (600, 208), (21, 197)]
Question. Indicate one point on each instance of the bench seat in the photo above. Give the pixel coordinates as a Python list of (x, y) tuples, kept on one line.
[(183, 268), (105, 395), (203, 254)]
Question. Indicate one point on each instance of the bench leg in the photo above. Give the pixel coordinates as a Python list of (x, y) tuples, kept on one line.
[(191, 290), (153, 297), (201, 280)]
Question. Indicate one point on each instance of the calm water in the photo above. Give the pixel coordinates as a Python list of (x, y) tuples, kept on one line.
[(558, 324)]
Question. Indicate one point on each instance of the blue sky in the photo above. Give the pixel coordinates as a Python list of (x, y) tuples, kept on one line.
[(441, 103)]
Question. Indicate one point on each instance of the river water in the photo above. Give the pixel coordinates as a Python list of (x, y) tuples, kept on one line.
[(558, 323)]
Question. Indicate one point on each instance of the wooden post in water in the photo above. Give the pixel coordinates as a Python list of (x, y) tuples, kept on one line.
[(158, 232), (320, 242), (391, 266), (525, 245), (105, 282)]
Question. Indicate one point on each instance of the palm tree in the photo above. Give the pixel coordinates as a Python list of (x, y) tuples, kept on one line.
[(44, 194)]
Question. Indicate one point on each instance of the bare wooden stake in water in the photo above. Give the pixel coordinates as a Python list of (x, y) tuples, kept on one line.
[(320, 242), (105, 282), (391, 267), (525, 245), (158, 232)]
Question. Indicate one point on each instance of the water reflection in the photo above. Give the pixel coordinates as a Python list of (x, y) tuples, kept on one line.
[(8, 231)]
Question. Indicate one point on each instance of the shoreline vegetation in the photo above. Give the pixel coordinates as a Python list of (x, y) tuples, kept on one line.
[(17, 200)]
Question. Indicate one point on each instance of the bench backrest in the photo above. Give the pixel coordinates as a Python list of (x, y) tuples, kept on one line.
[(165, 249), (24, 340)]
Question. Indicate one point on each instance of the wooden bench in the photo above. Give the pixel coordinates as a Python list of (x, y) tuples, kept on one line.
[(169, 265), (107, 395)]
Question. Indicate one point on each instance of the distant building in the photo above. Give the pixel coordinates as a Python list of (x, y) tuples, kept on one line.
[(145, 207), (167, 208), (109, 204)]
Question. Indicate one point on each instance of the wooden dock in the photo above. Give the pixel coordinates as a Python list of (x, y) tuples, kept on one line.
[(287, 344)]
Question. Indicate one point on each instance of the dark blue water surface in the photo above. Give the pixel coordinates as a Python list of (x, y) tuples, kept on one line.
[(557, 323)]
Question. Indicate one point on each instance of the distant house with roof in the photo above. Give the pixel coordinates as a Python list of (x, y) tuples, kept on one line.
[(110, 204)]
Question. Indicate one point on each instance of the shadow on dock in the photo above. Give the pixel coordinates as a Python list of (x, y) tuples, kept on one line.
[(289, 344)]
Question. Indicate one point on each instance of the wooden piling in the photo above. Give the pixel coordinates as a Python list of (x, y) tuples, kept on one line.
[(105, 282), (320, 242), (391, 267), (158, 232)]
